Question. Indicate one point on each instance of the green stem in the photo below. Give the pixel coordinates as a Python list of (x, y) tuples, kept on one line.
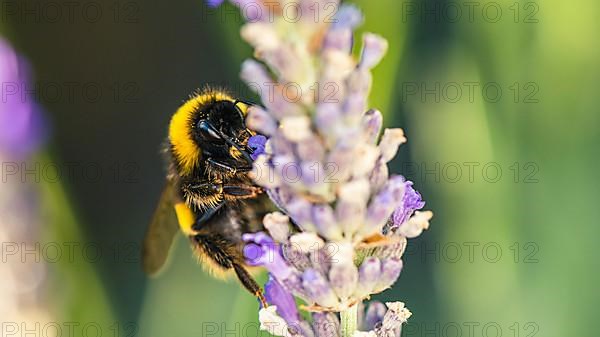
[(349, 319)]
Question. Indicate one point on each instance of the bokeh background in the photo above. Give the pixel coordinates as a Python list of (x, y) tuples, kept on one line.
[(499, 102)]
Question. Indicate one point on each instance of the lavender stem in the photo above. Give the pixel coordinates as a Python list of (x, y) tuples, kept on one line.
[(349, 319)]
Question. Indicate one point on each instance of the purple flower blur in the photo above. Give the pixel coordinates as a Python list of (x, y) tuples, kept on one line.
[(214, 3), (257, 144), (21, 124)]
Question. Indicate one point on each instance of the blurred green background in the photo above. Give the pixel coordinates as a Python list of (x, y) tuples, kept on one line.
[(499, 102)]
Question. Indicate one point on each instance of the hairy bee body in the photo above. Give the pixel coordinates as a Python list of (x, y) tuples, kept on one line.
[(209, 195)]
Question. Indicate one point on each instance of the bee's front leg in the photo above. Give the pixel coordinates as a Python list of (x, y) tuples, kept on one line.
[(210, 194), (241, 191), (203, 195), (229, 167)]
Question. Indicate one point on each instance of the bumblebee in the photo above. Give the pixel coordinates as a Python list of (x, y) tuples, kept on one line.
[(208, 194)]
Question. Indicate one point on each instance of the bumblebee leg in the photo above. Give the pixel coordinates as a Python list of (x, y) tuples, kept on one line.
[(229, 167), (201, 190), (217, 248), (207, 215), (249, 283), (212, 194), (230, 192), (202, 195), (239, 191)]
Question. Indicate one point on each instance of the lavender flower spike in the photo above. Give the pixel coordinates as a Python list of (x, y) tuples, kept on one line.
[(344, 219)]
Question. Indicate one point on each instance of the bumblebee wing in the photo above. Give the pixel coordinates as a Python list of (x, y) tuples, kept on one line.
[(161, 232)]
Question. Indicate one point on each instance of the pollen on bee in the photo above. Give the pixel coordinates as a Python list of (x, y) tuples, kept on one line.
[(235, 153)]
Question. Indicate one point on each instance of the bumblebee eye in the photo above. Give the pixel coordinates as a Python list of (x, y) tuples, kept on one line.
[(207, 132)]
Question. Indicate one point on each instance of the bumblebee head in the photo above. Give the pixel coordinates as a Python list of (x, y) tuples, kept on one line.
[(210, 126), (221, 134)]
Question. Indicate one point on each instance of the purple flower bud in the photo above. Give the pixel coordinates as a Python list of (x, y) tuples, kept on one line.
[(343, 278), (374, 315), (371, 123), (301, 329), (286, 170), (356, 191), (256, 76), (311, 150), (379, 175), (339, 39), (383, 204), (374, 48), (295, 256), (279, 103), (354, 106), (263, 172), (286, 62), (296, 128), (257, 144), (359, 84), (261, 250), (318, 289), (411, 201), (340, 161), (368, 276), (326, 324), (281, 146), (311, 176), (343, 275), (390, 270), (260, 120), (327, 117), (278, 226), (321, 258), (280, 196), (276, 295), (379, 211), (347, 16), (300, 211), (350, 216), (324, 219)]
